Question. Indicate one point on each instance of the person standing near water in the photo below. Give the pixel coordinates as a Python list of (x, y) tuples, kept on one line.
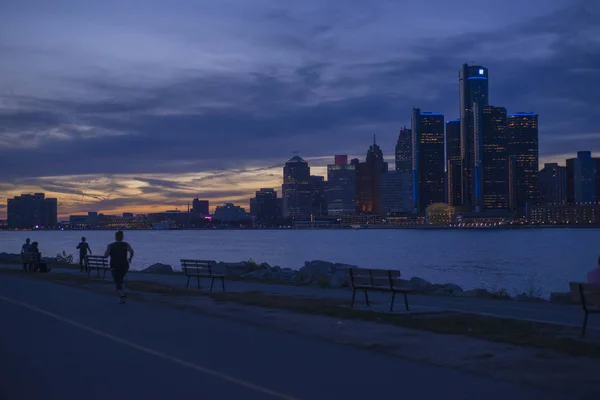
[(25, 249), (119, 262), (83, 248)]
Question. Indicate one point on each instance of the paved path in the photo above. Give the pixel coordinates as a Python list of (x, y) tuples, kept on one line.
[(59, 342), (545, 312)]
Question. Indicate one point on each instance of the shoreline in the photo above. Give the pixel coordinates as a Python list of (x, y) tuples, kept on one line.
[(341, 227)]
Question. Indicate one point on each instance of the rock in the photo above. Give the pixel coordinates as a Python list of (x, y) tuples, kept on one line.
[(448, 289), (325, 273), (562, 298), (420, 285), (159, 268), (479, 293)]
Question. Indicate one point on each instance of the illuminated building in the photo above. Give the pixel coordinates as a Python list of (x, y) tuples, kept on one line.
[(296, 190), (229, 213), (453, 160), (340, 190), (473, 86), (403, 156), (553, 184), (439, 214), (491, 159), (522, 133), (566, 214), (428, 159), (318, 201)]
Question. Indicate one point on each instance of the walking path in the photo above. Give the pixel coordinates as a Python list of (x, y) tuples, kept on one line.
[(571, 315), (59, 342)]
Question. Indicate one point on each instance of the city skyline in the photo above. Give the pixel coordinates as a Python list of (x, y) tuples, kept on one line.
[(69, 120)]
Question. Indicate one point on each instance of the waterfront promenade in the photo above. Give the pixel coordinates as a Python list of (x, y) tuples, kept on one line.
[(60, 342), (570, 315)]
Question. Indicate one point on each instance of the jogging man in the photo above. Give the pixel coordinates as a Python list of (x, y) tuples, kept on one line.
[(119, 262), (83, 250)]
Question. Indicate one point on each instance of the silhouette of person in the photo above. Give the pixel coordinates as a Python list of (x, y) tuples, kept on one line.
[(25, 249), (83, 248), (119, 262)]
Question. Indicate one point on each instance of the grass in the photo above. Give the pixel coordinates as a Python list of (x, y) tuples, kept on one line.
[(518, 332)]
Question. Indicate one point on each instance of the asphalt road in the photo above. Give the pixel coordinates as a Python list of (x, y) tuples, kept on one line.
[(58, 342)]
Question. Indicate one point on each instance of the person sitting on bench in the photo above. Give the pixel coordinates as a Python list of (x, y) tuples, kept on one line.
[(38, 266)]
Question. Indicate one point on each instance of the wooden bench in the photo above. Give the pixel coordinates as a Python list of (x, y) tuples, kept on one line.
[(98, 263), (201, 269), (588, 295), (377, 280), (29, 260)]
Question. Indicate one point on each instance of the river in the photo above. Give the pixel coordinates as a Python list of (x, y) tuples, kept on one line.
[(536, 261)]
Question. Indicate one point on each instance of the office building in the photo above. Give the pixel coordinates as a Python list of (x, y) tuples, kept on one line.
[(491, 188), (264, 205), (403, 154), (200, 206), (566, 214), (341, 188), (230, 213), (428, 159), (395, 192), (31, 211), (318, 204), (341, 159), (368, 181), (553, 184), (296, 189), (453, 163), (522, 133), (473, 86), (581, 178)]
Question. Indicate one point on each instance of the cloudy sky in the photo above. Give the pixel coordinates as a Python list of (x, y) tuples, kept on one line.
[(140, 105)]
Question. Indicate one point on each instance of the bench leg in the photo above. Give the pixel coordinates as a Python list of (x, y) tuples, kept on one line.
[(406, 300), (392, 303), (88, 272), (367, 298), (198, 281), (223, 283), (353, 296), (188, 282), (584, 325), (98, 269), (212, 283), (104, 275)]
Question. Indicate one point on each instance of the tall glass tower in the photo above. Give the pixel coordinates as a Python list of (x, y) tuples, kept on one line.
[(473, 81)]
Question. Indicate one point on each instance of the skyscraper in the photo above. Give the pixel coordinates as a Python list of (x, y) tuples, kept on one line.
[(200, 206), (341, 188), (317, 192), (522, 133), (368, 181), (296, 190), (491, 159), (553, 184), (581, 178), (404, 151), (473, 86), (428, 159), (453, 160), (395, 192), (265, 204), (30, 210)]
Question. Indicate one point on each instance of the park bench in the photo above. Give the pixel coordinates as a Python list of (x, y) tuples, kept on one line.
[(99, 263), (377, 280), (588, 295), (202, 269), (29, 260)]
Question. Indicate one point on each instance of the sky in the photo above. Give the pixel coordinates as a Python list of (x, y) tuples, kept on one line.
[(142, 105)]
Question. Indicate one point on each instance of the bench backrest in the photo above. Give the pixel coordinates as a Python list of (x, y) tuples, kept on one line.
[(29, 257), (197, 266), (588, 294), (97, 261), (374, 277)]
